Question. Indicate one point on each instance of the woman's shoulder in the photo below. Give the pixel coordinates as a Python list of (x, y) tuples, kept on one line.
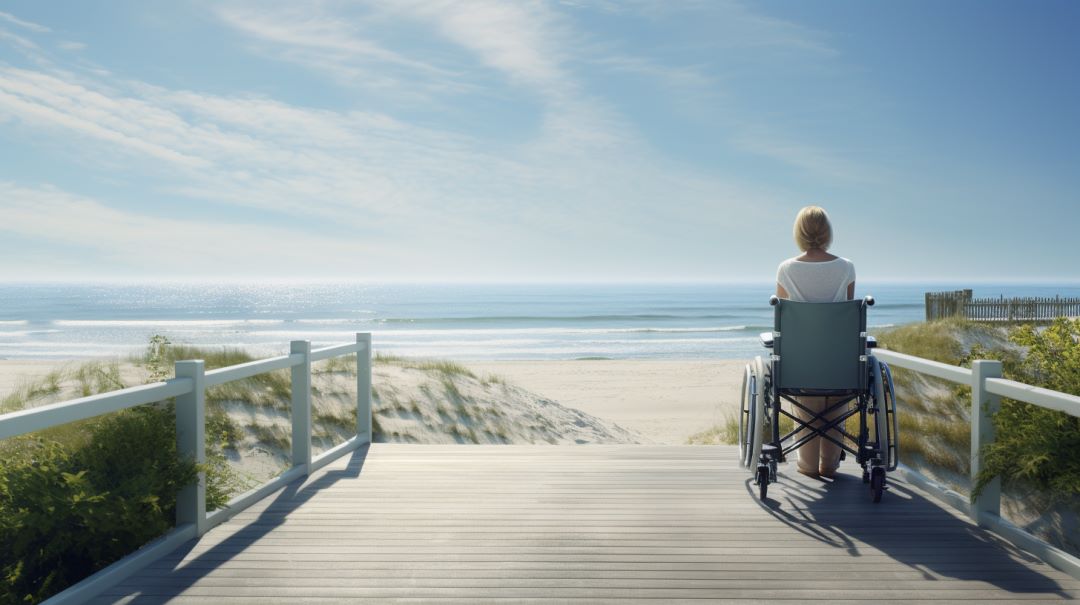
[(785, 266), (849, 268)]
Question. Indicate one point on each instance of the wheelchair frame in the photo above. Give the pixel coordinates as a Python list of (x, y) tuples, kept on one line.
[(762, 404)]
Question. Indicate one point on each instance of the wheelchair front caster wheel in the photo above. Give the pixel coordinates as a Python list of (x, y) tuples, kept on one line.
[(763, 481), (877, 484)]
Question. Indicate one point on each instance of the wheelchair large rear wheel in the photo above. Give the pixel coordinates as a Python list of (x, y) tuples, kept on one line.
[(892, 430), (745, 399), (880, 432), (751, 414), (882, 417)]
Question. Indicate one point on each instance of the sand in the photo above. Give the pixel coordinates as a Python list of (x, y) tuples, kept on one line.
[(16, 373), (663, 401), (666, 401)]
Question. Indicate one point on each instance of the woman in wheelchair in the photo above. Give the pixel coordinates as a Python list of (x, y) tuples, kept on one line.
[(821, 369), (816, 276)]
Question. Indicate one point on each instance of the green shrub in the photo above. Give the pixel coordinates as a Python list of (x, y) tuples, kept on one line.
[(77, 497), (66, 512), (1035, 448)]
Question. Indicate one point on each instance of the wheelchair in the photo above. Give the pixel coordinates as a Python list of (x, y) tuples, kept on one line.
[(819, 349)]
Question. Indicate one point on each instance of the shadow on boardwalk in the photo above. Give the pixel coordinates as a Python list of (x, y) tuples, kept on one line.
[(291, 497), (905, 526), (603, 524)]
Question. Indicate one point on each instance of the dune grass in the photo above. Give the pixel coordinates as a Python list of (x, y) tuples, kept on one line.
[(88, 378), (725, 433), (933, 414)]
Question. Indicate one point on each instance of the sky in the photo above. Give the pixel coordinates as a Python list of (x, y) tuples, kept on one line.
[(488, 140)]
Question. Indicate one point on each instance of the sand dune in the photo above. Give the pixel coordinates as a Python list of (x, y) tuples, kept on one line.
[(425, 401)]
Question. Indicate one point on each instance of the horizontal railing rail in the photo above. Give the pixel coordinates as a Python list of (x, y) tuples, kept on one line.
[(936, 369), (189, 390), (252, 368), (47, 416), (987, 389), (1045, 398)]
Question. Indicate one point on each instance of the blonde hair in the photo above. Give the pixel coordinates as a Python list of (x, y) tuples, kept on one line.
[(812, 229)]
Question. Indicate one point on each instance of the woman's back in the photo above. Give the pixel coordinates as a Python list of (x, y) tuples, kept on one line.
[(816, 281)]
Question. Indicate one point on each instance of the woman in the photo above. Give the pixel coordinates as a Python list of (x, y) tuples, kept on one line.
[(816, 276)]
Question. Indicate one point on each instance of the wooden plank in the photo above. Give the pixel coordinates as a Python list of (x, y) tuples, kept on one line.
[(600, 524), (237, 600), (865, 590)]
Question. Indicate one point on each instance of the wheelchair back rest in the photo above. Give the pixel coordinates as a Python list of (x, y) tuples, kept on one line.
[(821, 346)]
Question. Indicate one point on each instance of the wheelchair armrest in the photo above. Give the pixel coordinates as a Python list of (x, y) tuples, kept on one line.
[(766, 339), (871, 342)]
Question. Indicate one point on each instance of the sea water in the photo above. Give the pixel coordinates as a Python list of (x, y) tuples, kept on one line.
[(456, 321)]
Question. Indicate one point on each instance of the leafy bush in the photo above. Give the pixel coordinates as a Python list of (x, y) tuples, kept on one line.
[(1035, 448), (77, 497), (68, 511)]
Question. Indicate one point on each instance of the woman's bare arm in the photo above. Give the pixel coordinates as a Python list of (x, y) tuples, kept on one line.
[(851, 291), (780, 291)]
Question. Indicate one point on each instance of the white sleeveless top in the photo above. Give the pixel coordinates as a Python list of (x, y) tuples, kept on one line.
[(825, 281)]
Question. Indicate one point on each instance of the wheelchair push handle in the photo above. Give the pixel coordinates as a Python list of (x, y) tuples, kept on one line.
[(868, 300)]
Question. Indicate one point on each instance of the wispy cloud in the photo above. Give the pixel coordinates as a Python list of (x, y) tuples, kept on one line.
[(27, 25), (405, 186), (123, 241), (21, 43), (524, 41), (345, 48)]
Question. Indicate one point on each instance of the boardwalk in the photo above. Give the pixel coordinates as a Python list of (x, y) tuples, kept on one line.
[(587, 524)]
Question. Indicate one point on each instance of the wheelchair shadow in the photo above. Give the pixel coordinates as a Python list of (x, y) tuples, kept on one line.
[(905, 526), (183, 574)]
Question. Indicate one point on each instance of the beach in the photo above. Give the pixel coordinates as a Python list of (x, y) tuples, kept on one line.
[(665, 401)]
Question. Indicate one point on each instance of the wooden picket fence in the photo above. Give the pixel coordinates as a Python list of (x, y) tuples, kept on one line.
[(960, 303)]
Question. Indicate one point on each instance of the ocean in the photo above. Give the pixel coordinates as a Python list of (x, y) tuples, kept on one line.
[(455, 321)]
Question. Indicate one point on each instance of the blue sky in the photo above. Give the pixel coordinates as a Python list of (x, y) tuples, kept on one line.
[(489, 140)]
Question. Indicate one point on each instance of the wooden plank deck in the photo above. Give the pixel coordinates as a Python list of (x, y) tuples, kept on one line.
[(605, 524)]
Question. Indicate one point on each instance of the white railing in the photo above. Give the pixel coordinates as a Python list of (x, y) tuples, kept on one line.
[(189, 388), (987, 389)]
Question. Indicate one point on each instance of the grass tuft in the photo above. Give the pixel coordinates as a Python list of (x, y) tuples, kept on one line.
[(272, 436), (725, 433)]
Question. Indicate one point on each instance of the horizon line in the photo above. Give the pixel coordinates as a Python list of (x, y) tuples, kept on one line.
[(251, 280)]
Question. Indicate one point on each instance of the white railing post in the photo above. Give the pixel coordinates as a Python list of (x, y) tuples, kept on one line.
[(301, 406), (983, 405), (191, 443), (364, 430)]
